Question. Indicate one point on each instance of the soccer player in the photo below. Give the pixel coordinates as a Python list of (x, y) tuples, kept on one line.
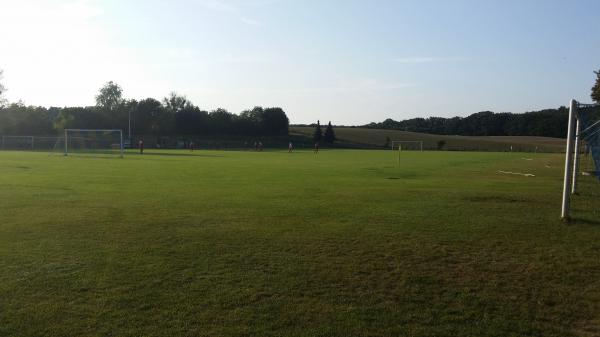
[(141, 146), (290, 147), (316, 147)]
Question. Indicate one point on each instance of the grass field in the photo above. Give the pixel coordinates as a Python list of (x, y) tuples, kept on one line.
[(343, 243), (363, 137)]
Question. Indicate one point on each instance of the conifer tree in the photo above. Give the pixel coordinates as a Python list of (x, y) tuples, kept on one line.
[(596, 88), (329, 135), (318, 135)]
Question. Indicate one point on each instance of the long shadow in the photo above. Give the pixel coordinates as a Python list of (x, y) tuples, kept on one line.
[(582, 221), (167, 154)]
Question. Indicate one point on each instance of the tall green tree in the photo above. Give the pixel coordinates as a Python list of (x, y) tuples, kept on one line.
[(275, 122), (318, 135), (3, 101), (110, 97), (175, 102), (329, 136), (596, 88)]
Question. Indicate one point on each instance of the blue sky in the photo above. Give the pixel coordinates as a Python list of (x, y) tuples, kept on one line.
[(350, 62)]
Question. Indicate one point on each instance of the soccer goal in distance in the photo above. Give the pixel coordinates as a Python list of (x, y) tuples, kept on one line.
[(407, 145), (94, 142)]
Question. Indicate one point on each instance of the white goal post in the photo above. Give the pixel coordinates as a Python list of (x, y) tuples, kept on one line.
[(106, 141), (575, 136), (402, 145)]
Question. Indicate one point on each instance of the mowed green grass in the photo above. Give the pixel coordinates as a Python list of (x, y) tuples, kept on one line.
[(343, 243)]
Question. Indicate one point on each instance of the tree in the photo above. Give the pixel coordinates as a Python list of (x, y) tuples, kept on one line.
[(318, 135), (110, 97), (596, 88), (191, 120), (152, 117), (221, 122), (275, 122), (329, 136), (2, 91), (441, 144), (175, 102)]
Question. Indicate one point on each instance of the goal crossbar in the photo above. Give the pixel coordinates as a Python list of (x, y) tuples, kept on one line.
[(419, 144)]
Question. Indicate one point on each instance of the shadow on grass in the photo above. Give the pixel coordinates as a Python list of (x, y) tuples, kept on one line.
[(167, 154), (583, 221)]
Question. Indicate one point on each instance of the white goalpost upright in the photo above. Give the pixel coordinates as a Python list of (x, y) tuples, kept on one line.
[(575, 135), (406, 145), (105, 141)]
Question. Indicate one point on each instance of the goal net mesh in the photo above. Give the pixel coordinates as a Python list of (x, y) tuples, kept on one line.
[(407, 145), (590, 134), (99, 142)]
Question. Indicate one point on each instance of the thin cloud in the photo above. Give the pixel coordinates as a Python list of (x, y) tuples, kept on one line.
[(251, 22), (428, 59), (218, 5)]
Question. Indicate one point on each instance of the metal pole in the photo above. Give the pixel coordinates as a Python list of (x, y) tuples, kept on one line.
[(568, 162), (576, 158), (32, 143), (66, 142), (129, 126), (121, 145)]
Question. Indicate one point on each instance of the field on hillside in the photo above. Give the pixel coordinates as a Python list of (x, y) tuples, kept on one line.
[(343, 243), (362, 137)]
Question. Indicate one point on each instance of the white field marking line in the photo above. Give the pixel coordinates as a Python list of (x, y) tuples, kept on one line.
[(517, 173), (527, 158)]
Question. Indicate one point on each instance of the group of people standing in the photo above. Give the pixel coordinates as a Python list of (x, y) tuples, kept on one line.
[(258, 146), (291, 147)]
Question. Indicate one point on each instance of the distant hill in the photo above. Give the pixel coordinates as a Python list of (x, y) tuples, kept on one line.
[(543, 123), (377, 138)]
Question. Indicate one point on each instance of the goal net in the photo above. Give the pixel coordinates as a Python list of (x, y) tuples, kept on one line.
[(29, 143), (407, 145), (588, 132), (95, 142), (17, 143)]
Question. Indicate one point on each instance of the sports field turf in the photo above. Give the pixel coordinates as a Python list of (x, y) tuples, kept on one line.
[(343, 243)]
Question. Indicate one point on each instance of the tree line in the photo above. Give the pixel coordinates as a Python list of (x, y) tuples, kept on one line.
[(545, 123), (174, 115)]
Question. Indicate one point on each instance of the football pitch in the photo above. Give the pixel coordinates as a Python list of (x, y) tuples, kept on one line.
[(342, 243)]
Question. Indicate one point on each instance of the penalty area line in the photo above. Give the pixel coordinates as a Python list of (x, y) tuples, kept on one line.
[(517, 173)]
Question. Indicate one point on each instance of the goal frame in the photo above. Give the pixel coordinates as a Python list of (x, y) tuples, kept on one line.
[(121, 149), (572, 158), (400, 142)]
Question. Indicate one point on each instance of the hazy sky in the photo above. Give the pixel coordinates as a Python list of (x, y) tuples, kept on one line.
[(347, 61)]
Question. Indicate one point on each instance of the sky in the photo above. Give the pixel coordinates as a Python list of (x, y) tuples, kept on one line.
[(347, 61)]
